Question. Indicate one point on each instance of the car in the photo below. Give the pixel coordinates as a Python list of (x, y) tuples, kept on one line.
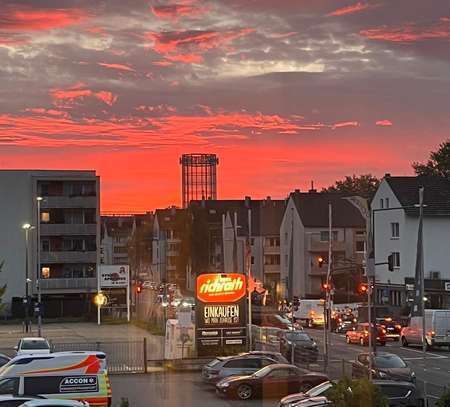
[(400, 393), (360, 334), (314, 402), (222, 367), (305, 349), (276, 356), (393, 329), (9, 400), (271, 381), (55, 403), (386, 366), (4, 359), (273, 321), (34, 345), (345, 326), (320, 390)]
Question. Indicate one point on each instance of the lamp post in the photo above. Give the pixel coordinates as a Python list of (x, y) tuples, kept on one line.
[(39, 199), (27, 227)]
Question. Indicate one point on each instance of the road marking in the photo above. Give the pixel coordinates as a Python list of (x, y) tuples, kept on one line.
[(434, 356)]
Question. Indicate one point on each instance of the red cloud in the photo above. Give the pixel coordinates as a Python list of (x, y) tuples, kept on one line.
[(186, 46), (70, 97), (31, 19), (383, 123), (119, 67), (355, 8), (409, 33), (344, 124), (175, 11)]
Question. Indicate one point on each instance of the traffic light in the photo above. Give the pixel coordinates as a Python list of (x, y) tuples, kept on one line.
[(363, 288), (320, 261), (326, 286), (390, 262), (138, 287)]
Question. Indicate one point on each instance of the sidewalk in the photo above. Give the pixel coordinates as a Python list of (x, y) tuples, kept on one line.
[(83, 332)]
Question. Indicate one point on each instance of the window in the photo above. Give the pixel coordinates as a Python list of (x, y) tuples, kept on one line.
[(396, 257), (242, 363), (253, 259), (386, 202), (45, 217), (271, 259), (45, 272), (395, 230), (360, 245), (279, 373), (252, 241), (45, 245), (381, 203), (324, 235), (9, 386), (395, 298)]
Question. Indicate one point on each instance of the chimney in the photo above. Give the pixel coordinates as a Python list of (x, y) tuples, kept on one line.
[(297, 191), (247, 201), (173, 210), (312, 190), (387, 175)]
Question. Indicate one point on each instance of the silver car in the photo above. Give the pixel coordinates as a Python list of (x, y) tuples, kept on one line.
[(222, 367)]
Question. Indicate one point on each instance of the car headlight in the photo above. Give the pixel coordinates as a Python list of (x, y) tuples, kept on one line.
[(382, 374), (413, 374), (222, 385)]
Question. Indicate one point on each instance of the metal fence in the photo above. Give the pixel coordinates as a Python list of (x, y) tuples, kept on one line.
[(121, 356)]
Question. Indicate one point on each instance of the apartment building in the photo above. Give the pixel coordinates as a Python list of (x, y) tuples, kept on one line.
[(395, 219), (304, 239), (65, 223)]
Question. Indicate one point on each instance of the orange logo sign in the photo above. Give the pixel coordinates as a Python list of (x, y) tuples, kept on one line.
[(220, 287)]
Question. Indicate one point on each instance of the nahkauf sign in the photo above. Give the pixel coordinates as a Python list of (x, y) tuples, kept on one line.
[(221, 313)]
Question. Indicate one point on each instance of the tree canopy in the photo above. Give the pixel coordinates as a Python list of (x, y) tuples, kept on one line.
[(438, 163), (364, 185), (356, 393)]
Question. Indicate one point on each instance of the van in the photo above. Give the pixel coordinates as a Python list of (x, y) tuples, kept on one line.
[(310, 313), (437, 329), (79, 376)]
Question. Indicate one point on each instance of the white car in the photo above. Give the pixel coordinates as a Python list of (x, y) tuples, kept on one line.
[(54, 403), (33, 345), (8, 400)]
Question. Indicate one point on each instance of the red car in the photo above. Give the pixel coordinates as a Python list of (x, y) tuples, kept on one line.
[(360, 334)]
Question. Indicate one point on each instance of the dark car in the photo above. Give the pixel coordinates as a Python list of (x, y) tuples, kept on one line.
[(222, 367), (345, 326), (400, 394), (304, 347), (276, 356), (385, 366), (272, 320), (272, 381), (393, 328), (321, 390), (4, 359)]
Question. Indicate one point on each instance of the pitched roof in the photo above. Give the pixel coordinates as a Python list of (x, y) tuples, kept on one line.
[(313, 210), (436, 194)]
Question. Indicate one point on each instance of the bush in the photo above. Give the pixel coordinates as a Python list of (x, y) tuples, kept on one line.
[(356, 393), (444, 401)]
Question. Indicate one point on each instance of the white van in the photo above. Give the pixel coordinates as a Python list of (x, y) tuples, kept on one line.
[(310, 313), (79, 376), (437, 329)]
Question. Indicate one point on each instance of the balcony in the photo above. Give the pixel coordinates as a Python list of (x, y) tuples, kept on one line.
[(272, 268), (69, 202), (271, 249), (69, 284), (316, 245), (62, 229), (68, 257)]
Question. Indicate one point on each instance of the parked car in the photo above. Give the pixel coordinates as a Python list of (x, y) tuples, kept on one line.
[(393, 328), (360, 334), (314, 402), (385, 366), (437, 329), (276, 356), (9, 400), (4, 359), (55, 403), (222, 367), (400, 394), (271, 381), (345, 326), (321, 390), (305, 349), (34, 345), (272, 321)]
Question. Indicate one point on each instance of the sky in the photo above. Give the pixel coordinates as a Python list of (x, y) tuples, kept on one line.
[(283, 91)]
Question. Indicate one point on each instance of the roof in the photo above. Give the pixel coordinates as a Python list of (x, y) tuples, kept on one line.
[(436, 194), (313, 210)]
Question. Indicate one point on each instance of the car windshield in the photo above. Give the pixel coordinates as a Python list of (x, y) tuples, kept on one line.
[(320, 389), (34, 345), (297, 336), (389, 361)]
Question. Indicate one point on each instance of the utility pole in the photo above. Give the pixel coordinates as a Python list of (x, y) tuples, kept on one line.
[(420, 265), (327, 286), (249, 277), (38, 261)]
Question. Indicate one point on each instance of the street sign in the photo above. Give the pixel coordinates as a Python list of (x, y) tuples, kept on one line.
[(447, 286), (114, 276)]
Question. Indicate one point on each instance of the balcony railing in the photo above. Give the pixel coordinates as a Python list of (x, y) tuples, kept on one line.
[(58, 229), (272, 268), (69, 202), (68, 283), (316, 245), (68, 257)]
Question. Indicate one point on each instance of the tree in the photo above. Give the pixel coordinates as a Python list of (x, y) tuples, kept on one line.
[(438, 164), (364, 185), (356, 393), (2, 289), (444, 401)]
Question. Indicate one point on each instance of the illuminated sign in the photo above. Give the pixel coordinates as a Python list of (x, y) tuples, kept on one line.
[(222, 288)]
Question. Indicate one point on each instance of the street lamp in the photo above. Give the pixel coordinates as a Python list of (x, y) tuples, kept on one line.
[(26, 227), (39, 199)]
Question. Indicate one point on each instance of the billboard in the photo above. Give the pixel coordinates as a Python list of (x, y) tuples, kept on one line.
[(116, 276), (221, 317)]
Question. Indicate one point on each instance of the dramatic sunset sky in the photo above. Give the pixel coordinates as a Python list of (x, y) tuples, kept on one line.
[(284, 91)]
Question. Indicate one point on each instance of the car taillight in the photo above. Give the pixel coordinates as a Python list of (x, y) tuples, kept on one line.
[(366, 333), (383, 330), (398, 326)]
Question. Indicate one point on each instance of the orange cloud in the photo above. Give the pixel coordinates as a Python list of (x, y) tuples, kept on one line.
[(409, 33), (176, 11), (69, 97), (355, 8), (344, 124), (383, 123), (119, 67)]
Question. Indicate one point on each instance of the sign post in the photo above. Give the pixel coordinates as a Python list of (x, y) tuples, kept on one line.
[(115, 278)]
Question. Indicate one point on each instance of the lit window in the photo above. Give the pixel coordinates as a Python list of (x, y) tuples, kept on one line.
[(45, 272), (45, 217)]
